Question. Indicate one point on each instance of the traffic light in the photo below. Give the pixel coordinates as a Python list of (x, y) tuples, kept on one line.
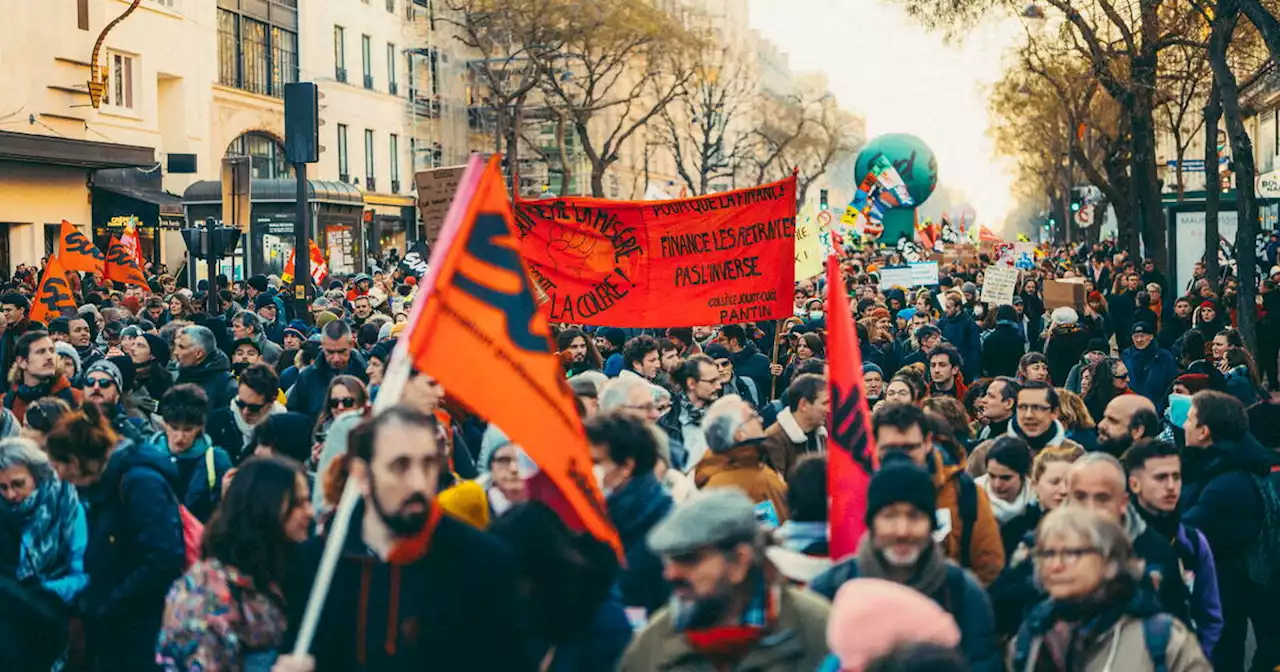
[(1077, 199)]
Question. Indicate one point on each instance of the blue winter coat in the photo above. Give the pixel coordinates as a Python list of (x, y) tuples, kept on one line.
[(1219, 496), (598, 646), (1151, 372), (634, 509), (962, 332), (1206, 602), (135, 552)]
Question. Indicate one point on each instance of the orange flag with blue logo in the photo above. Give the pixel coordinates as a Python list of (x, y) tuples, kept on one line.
[(122, 266), (53, 295), (76, 252), (477, 330)]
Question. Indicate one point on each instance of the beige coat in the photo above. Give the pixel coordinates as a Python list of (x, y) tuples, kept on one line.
[(1124, 649), (798, 642)]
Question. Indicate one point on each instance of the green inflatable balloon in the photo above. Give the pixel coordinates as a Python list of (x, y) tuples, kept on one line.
[(912, 158)]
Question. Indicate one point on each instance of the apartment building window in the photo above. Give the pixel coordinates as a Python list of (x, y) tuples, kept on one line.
[(391, 6), (366, 58), (82, 14), (254, 55), (413, 155), (266, 155), (370, 182), (393, 150), (393, 86), (340, 53), (120, 76), (344, 170)]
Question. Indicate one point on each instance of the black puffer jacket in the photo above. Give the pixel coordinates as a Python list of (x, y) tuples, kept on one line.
[(213, 375), (308, 394)]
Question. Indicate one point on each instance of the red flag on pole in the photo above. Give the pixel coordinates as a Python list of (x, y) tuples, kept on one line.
[(851, 448)]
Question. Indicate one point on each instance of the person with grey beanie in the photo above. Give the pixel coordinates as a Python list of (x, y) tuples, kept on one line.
[(68, 361)]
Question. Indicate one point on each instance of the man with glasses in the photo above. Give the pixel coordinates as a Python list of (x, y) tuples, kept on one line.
[(104, 387), (201, 465), (1097, 482), (730, 382), (699, 385), (232, 427), (337, 357), (735, 458), (966, 527)]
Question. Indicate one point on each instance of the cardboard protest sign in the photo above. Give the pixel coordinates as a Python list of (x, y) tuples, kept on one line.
[(1068, 292), (122, 266), (415, 260), (76, 252), (718, 259), (435, 191), (809, 254), (53, 295), (998, 285)]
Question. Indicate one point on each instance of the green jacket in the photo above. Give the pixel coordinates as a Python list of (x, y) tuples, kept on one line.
[(798, 642)]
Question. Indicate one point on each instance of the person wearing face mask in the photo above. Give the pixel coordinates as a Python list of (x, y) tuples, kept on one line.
[(43, 535), (900, 546), (735, 457), (624, 453)]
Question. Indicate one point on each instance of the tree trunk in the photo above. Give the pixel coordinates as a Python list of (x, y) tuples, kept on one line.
[(1242, 156), (1145, 175), (566, 165), (1213, 191)]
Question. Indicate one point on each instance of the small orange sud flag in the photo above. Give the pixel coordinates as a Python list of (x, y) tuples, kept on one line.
[(121, 265), (77, 252), (851, 447), (477, 329), (53, 294)]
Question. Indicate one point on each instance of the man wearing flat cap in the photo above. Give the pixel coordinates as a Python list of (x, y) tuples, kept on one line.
[(1151, 367), (729, 608)]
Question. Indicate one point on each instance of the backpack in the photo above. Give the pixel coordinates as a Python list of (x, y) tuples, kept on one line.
[(1262, 555), (1156, 632)]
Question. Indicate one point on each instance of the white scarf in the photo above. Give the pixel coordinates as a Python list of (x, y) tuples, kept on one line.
[(246, 429), (1006, 511)]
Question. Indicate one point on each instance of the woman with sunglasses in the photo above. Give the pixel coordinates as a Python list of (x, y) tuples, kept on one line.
[(227, 611), (345, 394), (1109, 379)]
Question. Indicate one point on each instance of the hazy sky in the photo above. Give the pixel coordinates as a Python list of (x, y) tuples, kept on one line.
[(904, 79)]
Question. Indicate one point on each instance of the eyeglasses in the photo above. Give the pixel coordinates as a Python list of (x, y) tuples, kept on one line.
[(1034, 408), (708, 380), (1121, 376), (103, 383), (647, 408), (252, 408), (342, 402), (1067, 556)]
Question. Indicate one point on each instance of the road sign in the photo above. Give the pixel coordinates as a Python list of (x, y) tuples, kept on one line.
[(1084, 217)]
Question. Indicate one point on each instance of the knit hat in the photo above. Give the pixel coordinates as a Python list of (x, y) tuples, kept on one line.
[(879, 312), (1142, 328), (65, 349), (128, 372), (300, 333), (1194, 382), (1098, 345), (466, 501), (871, 617), (969, 288), (906, 314), (616, 337), (253, 342), (262, 301), (868, 367), (900, 480), (492, 440), (112, 371), (708, 518), (1207, 304), (1065, 315), (382, 351), (258, 282), (1094, 297)]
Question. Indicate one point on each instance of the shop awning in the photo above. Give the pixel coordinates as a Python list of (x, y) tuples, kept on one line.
[(278, 191), (168, 204), (55, 151)]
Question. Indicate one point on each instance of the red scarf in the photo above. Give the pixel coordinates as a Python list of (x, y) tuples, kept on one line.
[(728, 644)]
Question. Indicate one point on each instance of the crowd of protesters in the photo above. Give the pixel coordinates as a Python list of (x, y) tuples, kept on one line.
[(1059, 488)]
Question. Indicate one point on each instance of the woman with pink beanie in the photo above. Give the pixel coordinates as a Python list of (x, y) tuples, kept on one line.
[(871, 617)]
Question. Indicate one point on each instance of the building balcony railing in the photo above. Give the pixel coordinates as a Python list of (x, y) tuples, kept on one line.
[(426, 106), (255, 66), (368, 82), (370, 183), (340, 74)]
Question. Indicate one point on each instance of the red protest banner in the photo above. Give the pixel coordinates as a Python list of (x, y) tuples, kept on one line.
[(851, 448), (122, 266), (717, 259)]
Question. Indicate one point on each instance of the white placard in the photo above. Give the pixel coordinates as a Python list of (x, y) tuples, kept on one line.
[(998, 285)]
